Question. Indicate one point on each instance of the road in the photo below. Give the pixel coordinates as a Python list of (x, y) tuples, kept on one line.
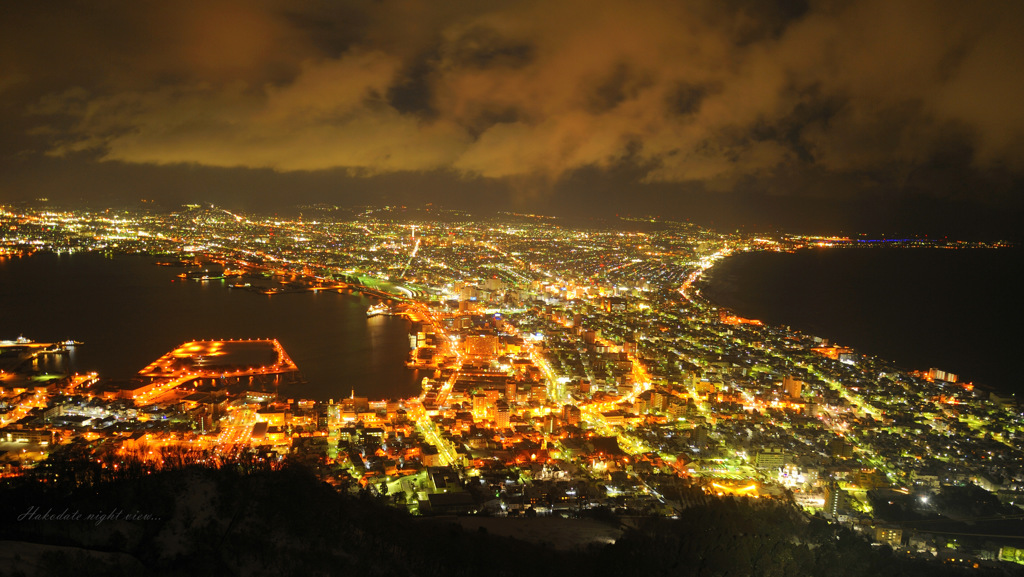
[(445, 449), (236, 430)]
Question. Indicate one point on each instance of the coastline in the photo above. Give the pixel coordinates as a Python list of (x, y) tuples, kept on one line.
[(867, 323)]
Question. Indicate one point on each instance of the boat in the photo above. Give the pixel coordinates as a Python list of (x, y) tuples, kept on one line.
[(378, 309), (200, 275)]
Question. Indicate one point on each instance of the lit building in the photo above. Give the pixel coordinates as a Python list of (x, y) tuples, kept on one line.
[(511, 391), (484, 346), (770, 459), (940, 375), (792, 386), (571, 414), (479, 405), (501, 415), (833, 496), (888, 534)]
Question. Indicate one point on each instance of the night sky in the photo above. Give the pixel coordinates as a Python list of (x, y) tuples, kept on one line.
[(874, 116)]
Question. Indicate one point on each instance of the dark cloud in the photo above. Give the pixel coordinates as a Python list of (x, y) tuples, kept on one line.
[(621, 83), (751, 21), (482, 47), (685, 99), (411, 93), (810, 98)]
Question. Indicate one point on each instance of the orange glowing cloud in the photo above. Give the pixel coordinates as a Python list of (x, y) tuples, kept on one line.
[(689, 91)]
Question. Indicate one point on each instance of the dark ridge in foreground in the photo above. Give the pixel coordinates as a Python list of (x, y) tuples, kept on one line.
[(199, 521)]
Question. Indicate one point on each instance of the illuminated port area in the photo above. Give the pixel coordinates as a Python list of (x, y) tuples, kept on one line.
[(566, 370), (222, 359), (221, 363)]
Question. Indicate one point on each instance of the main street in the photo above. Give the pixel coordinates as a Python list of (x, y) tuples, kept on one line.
[(236, 431)]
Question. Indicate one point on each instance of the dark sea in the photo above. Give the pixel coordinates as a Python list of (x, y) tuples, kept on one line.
[(128, 312), (956, 310)]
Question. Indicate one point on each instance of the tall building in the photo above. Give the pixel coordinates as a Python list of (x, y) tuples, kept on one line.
[(511, 391), (792, 386), (833, 495), (550, 424), (699, 436), (480, 405), (571, 414), (659, 399), (501, 415)]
